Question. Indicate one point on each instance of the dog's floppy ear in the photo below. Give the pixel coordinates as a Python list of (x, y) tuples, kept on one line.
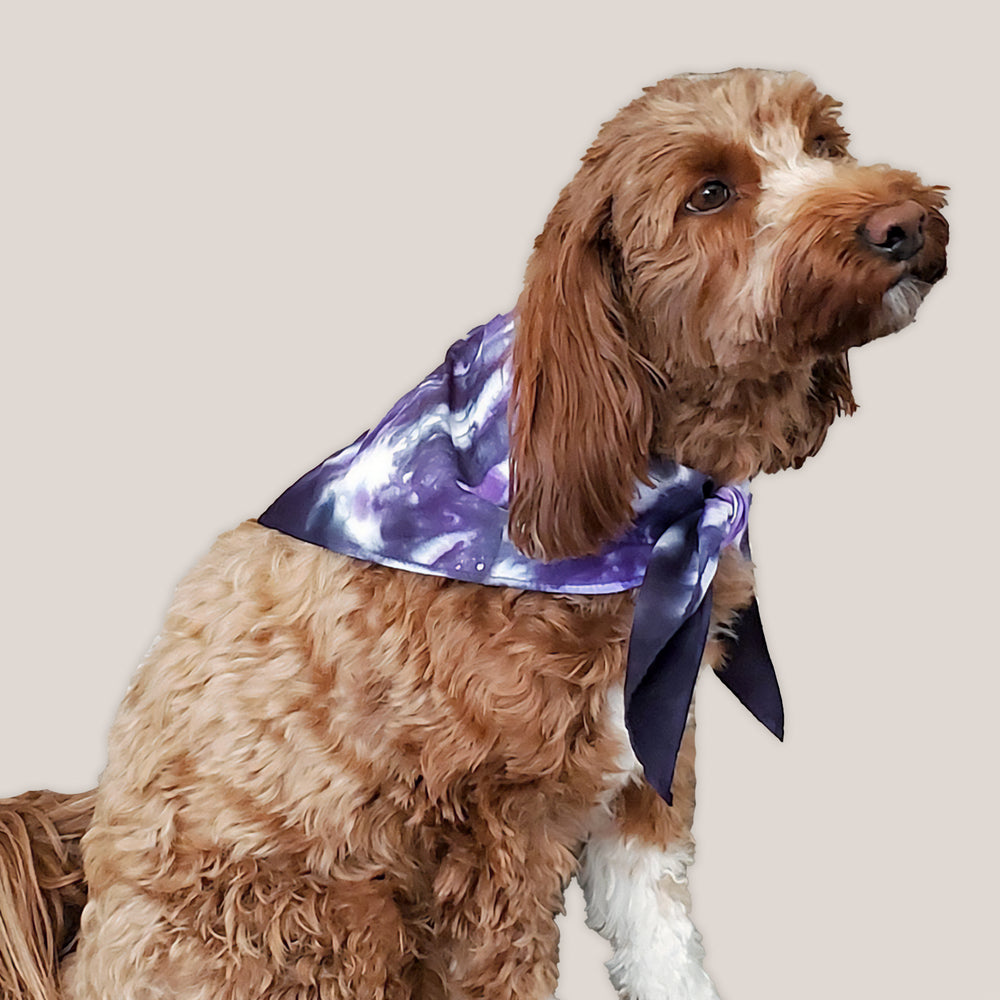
[(580, 411)]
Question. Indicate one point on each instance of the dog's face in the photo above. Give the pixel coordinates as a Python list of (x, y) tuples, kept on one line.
[(695, 291), (748, 234)]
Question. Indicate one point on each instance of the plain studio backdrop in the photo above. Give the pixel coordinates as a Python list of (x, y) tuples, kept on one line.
[(233, 233)]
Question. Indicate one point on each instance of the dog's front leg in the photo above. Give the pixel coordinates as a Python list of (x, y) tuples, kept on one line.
[(633, 870)]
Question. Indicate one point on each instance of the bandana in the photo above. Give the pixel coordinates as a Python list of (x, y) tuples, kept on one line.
[(427, 490)]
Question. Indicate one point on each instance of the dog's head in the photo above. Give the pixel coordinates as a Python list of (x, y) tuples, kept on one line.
[(694, 293)]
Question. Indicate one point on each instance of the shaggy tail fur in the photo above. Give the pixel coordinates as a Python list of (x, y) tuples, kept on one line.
[(42, 889)]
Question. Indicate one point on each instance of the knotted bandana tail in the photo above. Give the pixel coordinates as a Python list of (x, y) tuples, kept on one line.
[(670, 629), (427, 490), (749, 673)]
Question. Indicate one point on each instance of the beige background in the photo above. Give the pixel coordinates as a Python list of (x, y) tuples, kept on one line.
[(231, 234)]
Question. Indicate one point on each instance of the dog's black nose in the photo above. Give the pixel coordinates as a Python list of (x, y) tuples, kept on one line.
[(897, 232)]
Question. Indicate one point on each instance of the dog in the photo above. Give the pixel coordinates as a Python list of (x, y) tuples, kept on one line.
[(346, 770)]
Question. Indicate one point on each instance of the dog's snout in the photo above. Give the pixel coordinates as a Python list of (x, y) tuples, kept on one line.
[(897, 232)]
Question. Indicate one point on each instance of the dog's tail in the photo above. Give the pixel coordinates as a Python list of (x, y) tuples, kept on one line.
[(42, 889)]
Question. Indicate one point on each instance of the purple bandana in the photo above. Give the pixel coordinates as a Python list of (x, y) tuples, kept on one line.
[(426, 490)]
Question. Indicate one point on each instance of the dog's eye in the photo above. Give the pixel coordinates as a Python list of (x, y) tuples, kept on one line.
[(708, 196), (828, 147)]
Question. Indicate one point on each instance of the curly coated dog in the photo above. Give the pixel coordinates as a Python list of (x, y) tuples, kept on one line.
[(381, 730)]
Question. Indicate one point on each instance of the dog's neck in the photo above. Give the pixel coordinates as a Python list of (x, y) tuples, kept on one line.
[(740, 423)]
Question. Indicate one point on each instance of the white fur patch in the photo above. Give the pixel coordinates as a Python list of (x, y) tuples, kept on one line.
[(901, 302), (628, 768), (637, 898), (788, 175)]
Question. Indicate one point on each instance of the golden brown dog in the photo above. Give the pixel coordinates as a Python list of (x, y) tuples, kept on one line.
[(332, 779)]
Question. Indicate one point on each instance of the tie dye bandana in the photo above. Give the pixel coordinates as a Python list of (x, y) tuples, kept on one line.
[(427, 491)]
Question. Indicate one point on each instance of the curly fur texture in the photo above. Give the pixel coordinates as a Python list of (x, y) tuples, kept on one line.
[(42, 888), (332, 779)]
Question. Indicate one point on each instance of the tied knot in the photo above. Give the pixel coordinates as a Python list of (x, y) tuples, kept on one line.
[(730, 507)]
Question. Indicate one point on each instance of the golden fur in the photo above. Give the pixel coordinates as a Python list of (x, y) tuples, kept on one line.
[(332, 779), (42, 888)]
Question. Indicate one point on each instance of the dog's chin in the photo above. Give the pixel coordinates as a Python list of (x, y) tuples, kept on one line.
[(896, 310), (901, 302)]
